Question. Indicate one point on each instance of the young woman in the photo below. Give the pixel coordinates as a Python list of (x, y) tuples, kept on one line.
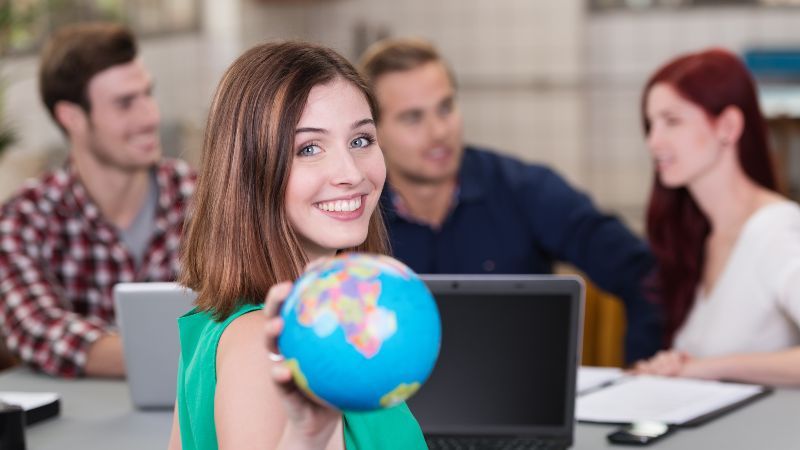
[(728, 245), (291, 172)]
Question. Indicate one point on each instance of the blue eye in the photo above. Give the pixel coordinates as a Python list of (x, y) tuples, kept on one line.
[(309, 150), (361, 142)]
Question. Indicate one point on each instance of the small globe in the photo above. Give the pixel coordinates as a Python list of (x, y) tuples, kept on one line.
[(361, 332)]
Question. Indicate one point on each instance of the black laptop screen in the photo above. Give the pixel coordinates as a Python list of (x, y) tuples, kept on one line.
[(504, 362)]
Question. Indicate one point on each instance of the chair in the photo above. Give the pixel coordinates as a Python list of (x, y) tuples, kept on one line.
[(603, 329), (603, 325)]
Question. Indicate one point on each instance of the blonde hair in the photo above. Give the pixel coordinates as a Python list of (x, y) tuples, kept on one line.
[(399, 55)]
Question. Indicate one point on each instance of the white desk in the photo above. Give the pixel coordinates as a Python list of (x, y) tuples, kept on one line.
[(97, 414)]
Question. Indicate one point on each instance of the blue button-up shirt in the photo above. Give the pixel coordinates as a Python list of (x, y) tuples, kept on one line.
[(511, 217)]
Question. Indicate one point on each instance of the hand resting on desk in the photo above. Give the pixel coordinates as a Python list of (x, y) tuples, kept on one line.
[(779, 368)]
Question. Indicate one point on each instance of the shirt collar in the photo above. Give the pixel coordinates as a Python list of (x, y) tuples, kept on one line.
[(80, 200), (470, 187)]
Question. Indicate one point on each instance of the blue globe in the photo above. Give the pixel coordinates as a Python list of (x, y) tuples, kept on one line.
[(362, 332)]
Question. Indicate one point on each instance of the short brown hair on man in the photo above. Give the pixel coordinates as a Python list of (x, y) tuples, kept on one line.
[(76, 53), (238, 240), (398, 55)]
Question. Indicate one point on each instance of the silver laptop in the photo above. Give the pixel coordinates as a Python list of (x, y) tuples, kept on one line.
[(505, 377), (147, 315)]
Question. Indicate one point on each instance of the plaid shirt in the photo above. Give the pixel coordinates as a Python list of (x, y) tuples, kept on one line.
[(59, 261)]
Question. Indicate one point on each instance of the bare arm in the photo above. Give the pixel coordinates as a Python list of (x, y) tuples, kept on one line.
[(247, 409), (175, 435), (105, 358), (255, 405), (779, 368)]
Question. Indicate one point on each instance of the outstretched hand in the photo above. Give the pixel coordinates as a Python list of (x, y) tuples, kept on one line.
[(308, 421)]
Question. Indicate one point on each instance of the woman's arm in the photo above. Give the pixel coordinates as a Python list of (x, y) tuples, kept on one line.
[(256, 405), (779, 368), (175, 436)]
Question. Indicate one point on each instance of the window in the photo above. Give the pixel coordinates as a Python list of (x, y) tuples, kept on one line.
[(24, 24)]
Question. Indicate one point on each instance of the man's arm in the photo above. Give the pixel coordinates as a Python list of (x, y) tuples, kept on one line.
[(104, 358), (568, 226), (36, 325)]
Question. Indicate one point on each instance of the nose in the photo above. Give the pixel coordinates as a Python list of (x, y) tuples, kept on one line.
[(346, 169), (437, 127), (653, 140), (149, 114)]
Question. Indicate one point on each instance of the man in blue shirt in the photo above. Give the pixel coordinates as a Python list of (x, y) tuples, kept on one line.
[(452, 208)]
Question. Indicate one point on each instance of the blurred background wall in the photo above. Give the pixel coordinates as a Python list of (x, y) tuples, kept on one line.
[(556, 82)]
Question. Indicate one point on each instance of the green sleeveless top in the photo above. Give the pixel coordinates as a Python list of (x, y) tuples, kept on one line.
[(393, 428)]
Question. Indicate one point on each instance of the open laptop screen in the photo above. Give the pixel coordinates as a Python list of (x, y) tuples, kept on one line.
[(507, 361)]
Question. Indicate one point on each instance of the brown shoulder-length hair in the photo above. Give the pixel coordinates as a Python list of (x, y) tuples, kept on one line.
[(238, 240)]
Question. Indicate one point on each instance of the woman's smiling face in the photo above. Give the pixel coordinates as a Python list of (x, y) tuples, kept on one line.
[(338, 170)]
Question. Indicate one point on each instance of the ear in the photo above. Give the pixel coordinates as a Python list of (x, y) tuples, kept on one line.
[(730, 125), (70, 116)]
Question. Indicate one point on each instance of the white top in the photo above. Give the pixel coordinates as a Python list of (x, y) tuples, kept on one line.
[(755, 304)]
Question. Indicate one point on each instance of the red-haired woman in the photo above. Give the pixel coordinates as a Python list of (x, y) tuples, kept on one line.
[(728, 245)]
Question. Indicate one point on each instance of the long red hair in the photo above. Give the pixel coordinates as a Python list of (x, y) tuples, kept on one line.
[(676, 228)]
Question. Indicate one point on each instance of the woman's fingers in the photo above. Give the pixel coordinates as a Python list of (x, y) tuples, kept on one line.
[(281, 374), (272, 304), (274, 328), (275, 297), (665, 363)]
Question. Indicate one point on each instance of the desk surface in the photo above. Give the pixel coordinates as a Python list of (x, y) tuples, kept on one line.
[(95, 413)]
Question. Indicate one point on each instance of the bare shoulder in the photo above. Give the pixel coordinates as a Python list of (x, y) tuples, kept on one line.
[(247, 408), (242, 337)]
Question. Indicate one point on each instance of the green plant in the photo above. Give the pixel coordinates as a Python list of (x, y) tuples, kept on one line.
[(7, 134), (7, 138)]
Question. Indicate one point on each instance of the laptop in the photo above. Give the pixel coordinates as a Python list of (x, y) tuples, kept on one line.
[(147, 315), (505, 377)]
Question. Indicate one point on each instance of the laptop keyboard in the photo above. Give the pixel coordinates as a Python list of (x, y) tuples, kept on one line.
[(493, 443)]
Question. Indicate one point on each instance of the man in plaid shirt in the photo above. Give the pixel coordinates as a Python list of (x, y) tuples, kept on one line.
[(112, 214)]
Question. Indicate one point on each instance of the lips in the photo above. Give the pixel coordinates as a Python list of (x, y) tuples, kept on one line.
[(145, 141), (663, 161), (438, 154)]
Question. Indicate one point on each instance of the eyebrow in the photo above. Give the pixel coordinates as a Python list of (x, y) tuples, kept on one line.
[(410, 113), (324, 131), (130, 96)]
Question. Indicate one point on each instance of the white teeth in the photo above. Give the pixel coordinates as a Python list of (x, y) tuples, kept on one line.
[(340, 205)]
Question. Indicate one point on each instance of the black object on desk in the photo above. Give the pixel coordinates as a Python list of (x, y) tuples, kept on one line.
[(42, 412), (36, 406), (12, 427), (639, 433)]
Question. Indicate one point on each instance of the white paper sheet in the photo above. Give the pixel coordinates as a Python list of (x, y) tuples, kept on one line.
[(28, 400), (669, 400), (594, 377)]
